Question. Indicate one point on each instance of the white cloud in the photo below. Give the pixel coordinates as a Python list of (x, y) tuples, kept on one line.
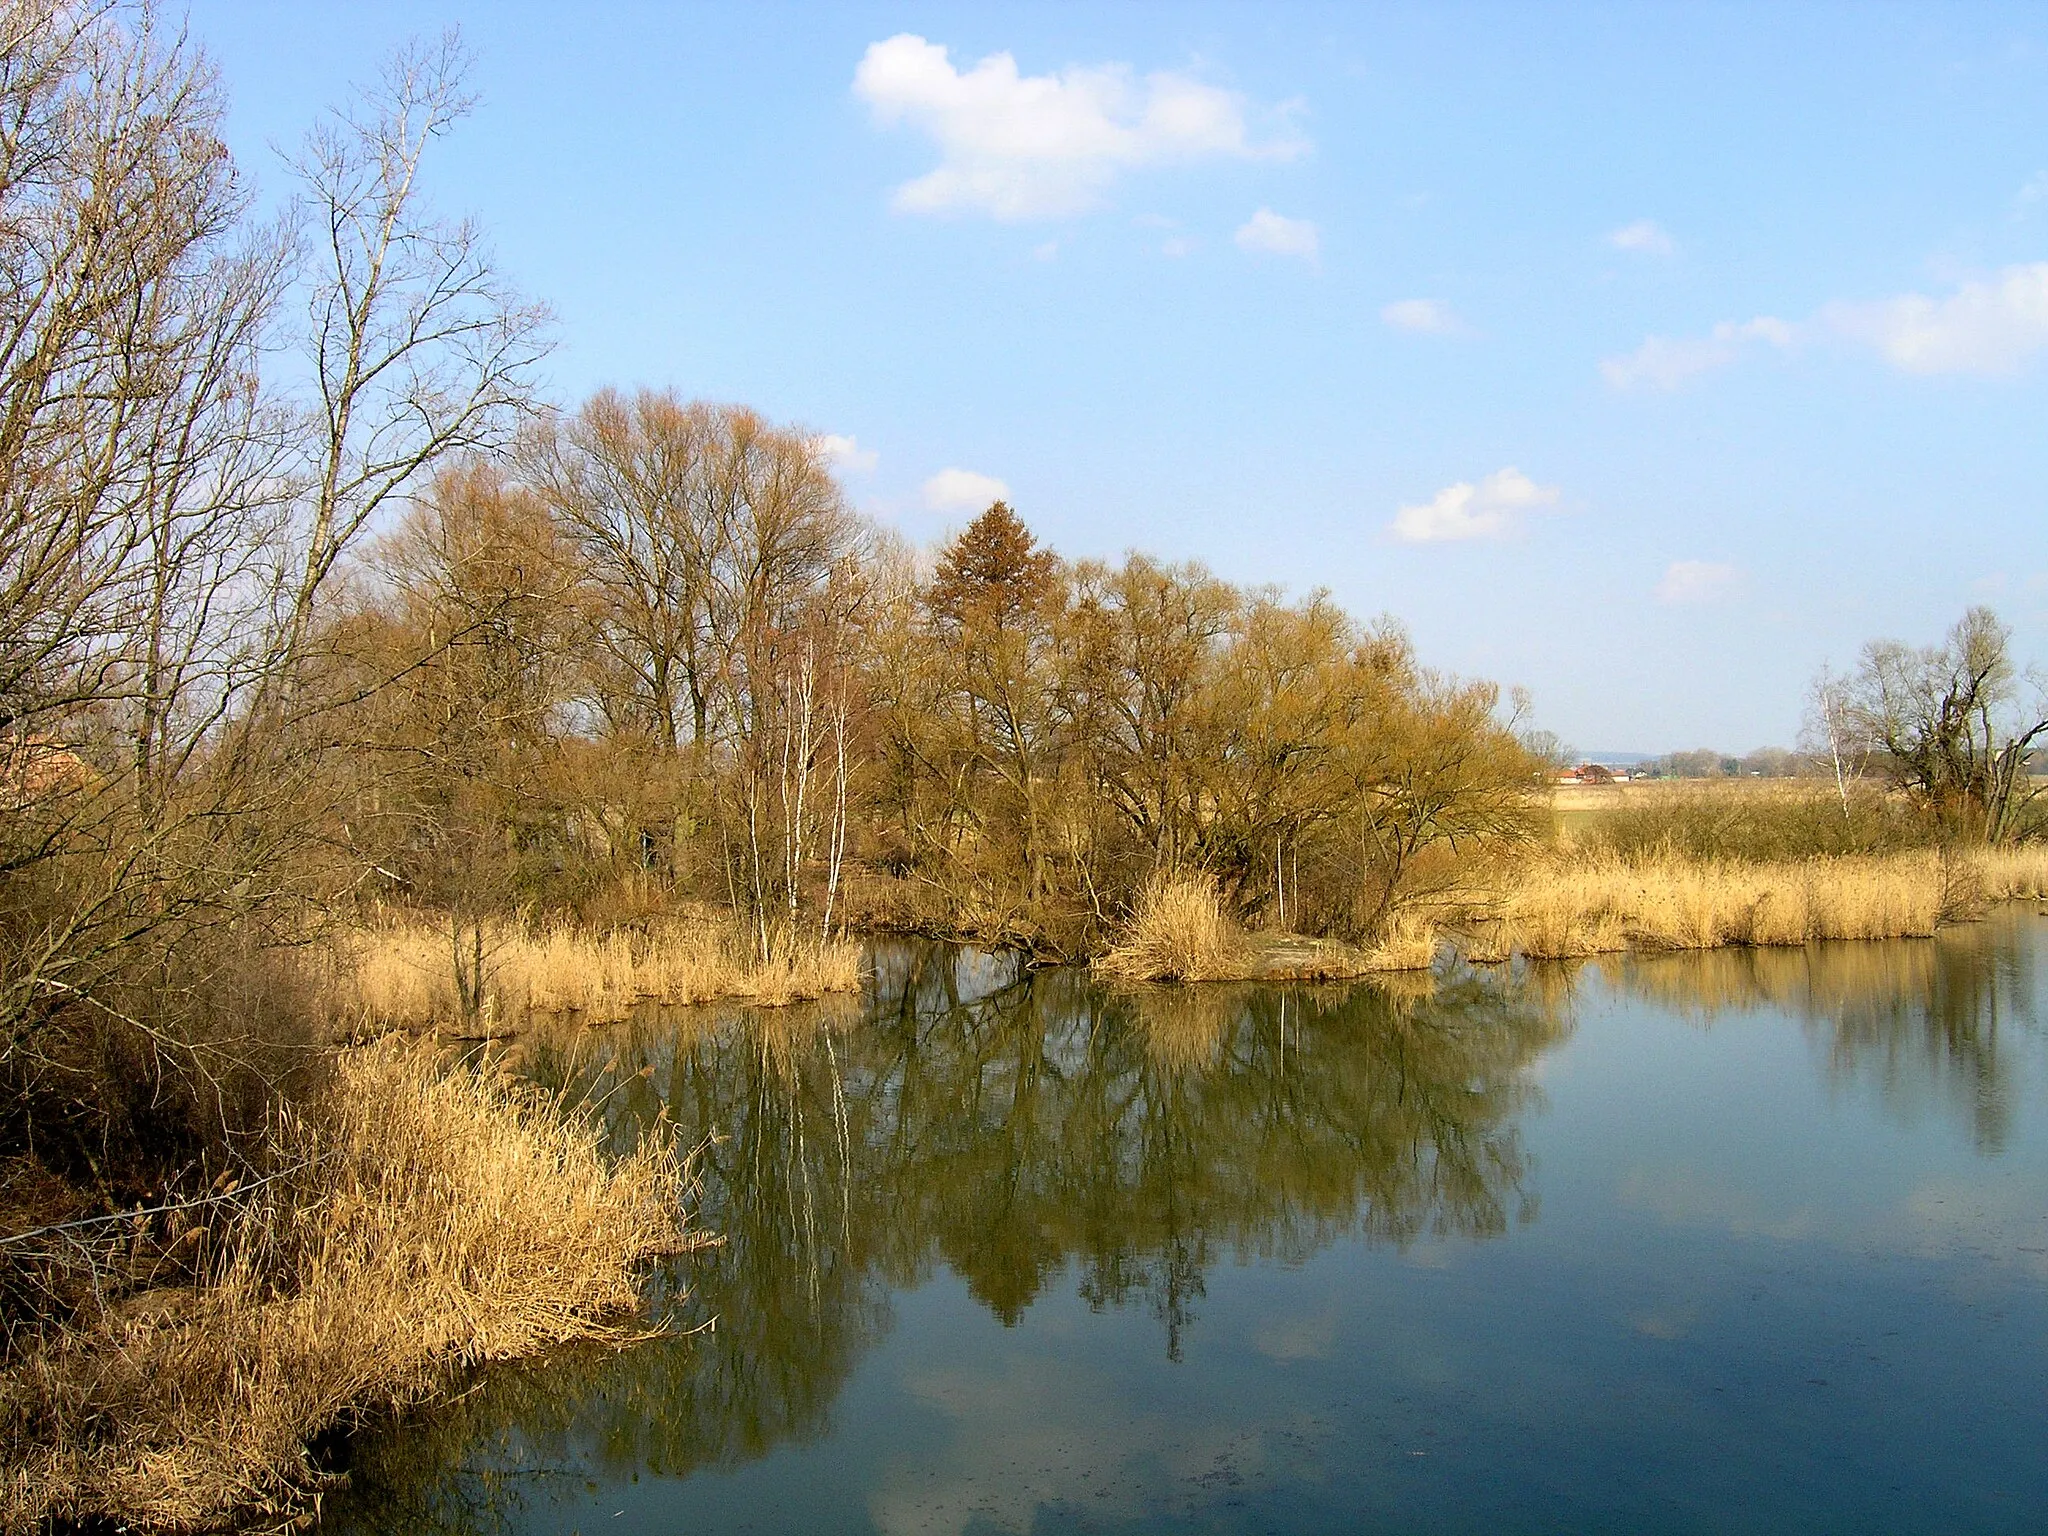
[(1047, 250), (1046, 146), (1277, 235), (1695, 581), (1666, 362), (1646, 237), (962, 490), (1989, 326), (1425, 316), (1176, 246), (2031, 195), (845, 454), (1488, 510)]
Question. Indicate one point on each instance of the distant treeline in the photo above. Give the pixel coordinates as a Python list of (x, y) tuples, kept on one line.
[(1705, 763)]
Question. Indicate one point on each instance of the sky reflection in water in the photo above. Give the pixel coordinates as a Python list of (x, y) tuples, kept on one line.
[(1747, 1241)]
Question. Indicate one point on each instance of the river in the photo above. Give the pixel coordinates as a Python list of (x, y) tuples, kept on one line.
[(1746, 1241)]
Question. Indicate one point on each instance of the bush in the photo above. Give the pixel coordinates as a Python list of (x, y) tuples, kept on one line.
[(1178, 932)]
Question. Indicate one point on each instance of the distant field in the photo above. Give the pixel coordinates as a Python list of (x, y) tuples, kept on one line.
[(1577, 805), (1569, 798)]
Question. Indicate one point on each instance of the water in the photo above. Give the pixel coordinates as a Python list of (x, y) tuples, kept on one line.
[(1740, 1242)]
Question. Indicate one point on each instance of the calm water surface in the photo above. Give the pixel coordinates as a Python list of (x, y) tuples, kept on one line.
[(1741, 1242)]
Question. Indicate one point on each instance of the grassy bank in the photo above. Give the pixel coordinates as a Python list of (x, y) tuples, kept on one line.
[(1569, 903), (400, 972), (427, 1221)]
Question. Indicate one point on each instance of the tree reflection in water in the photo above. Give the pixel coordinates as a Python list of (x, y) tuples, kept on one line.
[(1915, 1022), (1009, 1125)]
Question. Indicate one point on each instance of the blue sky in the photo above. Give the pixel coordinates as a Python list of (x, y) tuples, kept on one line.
[(1646, 356)]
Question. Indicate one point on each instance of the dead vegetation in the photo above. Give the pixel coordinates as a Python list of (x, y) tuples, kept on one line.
[(1178, 932), (1574, 901), (402, 972), (1571, 904), (426, 1221)]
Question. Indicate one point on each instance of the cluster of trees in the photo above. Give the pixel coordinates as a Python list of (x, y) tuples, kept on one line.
[(649, 650)]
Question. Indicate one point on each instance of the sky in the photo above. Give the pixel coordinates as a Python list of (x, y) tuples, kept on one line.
[(1648, 357)]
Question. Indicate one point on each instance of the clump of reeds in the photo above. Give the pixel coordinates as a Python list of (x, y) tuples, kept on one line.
[(403, 973), (1408, 941), (1178, 931), (432, 1220)]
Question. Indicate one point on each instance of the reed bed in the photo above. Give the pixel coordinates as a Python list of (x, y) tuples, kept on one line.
[(1573, 905), (2014, 874), (437, 1220), (402, 973)]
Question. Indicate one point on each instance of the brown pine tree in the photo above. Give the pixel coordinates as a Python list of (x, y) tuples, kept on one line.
[(994, 574)]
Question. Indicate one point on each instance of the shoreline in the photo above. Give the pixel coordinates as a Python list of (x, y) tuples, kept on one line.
[(1562, 906), (426, 1221), (101, 1414)]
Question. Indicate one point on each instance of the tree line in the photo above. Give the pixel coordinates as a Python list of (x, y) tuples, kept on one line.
[(651, 647)]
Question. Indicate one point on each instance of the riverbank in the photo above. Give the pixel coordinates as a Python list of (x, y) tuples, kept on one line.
[(418, 1222), (1568, 904), (399, 971)]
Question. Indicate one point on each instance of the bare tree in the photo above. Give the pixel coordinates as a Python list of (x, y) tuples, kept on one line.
[(139, 482), (1831, 732), (419, 349), (1952, 723), (156, 796), (625, 479)]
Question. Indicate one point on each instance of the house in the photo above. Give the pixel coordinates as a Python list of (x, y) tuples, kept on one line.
[(1592, 773)]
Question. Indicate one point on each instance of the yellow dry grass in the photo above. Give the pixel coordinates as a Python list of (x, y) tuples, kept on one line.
[(402, 973), (1178, 932), (1408, 942), (2014, 874), (1571, 905), (442, 1220)]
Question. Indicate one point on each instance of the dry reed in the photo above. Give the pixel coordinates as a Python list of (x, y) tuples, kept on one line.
[(2014, 874), (402, 973), (1178, 932), (1408, 942), (1575, 905), (443, 1220)]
